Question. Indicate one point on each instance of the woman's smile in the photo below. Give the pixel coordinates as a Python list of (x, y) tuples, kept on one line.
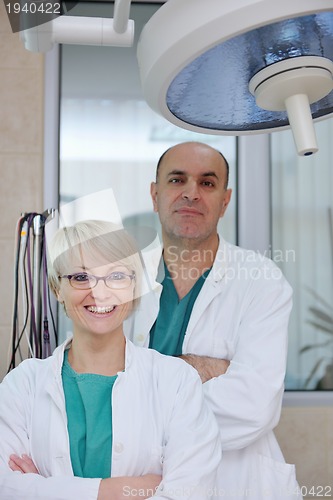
[(105, 310)]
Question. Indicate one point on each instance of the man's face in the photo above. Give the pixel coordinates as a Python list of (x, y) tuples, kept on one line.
[(190, 194)]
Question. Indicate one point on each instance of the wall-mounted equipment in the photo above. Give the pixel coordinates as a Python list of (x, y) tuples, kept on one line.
[(79, 30), (33, 326)]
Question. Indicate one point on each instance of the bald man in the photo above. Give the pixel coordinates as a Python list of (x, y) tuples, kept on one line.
[(225, 311)]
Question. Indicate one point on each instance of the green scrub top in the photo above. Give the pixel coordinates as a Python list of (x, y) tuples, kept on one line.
[(88, 400), (168, 332)]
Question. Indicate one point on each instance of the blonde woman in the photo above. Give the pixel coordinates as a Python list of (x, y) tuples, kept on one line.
[(100, 418)]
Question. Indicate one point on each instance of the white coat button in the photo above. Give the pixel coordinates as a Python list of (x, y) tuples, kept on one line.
[(140, 337), (118, 447)]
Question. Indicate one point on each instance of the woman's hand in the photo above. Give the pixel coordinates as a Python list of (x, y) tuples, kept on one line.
[(22, 464), (117, 488)]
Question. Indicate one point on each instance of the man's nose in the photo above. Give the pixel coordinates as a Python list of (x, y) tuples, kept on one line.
[(191, 191)]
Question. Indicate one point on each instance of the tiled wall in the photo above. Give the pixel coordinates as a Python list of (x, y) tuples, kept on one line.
[(21, 156), (306, 438), (305, 434)]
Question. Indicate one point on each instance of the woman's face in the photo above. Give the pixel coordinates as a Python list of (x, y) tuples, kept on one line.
[(101, 309)]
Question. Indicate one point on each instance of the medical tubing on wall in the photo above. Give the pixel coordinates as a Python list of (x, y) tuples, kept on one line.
[(33, 333)]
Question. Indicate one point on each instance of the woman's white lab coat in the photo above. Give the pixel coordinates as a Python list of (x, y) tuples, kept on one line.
[(160, 425), (241, 314)]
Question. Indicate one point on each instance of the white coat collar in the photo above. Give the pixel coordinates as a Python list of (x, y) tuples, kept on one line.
[(221, 261), (58, 354)]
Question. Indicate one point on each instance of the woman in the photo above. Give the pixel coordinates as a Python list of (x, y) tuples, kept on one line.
[(101, 418)]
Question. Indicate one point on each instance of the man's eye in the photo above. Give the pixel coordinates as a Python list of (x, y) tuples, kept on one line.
[(175, 181), (80, 278), (208, 183)]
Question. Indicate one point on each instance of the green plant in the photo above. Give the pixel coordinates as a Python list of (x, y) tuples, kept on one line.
[(322, 319)]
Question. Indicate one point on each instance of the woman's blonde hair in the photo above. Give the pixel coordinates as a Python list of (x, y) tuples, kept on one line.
[(98, 239)]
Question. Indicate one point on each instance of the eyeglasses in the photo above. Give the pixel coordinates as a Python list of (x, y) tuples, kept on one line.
[(117, 280)]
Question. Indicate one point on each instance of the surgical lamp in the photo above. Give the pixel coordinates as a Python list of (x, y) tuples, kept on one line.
[(223, 67), (240, 67)]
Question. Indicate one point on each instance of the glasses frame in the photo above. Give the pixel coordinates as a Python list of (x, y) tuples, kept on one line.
[(97, 279)]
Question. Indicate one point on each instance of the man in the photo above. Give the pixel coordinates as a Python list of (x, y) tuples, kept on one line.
[(225, 310)]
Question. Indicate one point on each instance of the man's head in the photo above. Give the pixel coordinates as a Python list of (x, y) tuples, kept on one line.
[(190, 193), (160, 161)]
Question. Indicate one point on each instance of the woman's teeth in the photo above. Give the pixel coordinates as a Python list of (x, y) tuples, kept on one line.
[(100, 310)]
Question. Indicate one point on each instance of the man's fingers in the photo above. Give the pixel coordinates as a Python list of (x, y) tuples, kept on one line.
[(12, 464), (206, 366), (22, 464)]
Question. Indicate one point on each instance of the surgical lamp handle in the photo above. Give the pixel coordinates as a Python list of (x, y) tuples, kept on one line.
[(121, 15)]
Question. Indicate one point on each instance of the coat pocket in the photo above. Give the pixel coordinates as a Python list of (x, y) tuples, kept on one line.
[(277, 480)]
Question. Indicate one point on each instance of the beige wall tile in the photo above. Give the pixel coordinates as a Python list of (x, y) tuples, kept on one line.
[(21, 156), (5, 353), (7, 280), (4, 21), (12, 51), (4, 340), (302, 434), (7, 302), (13, 55), (329, 413), (21, 111), (22, 189)]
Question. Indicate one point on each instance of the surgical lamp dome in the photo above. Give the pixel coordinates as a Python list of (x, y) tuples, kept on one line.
[(198, 59)]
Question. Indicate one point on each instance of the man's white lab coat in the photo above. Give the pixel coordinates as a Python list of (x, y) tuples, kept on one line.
[(241, 314)]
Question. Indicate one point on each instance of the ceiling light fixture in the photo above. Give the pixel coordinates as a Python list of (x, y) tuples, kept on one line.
[(241, 67), (292, 85)]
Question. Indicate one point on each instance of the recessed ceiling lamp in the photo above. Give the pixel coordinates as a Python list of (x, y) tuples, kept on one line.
[(241, 66)]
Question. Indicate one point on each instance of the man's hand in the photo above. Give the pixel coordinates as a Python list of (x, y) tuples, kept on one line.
[(119, 488), (206, 366), (22, 464)]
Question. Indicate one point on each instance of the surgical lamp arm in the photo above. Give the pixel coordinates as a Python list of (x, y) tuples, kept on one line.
[(79, 30)]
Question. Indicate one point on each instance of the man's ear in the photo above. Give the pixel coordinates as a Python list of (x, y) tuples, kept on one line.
[(153, 194), (226, 201)]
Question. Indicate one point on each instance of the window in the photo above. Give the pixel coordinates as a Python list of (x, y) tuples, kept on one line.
[(281, 205), (302, 238), (111, 139)]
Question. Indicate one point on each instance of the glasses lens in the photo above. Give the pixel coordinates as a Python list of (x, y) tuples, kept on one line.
[(118, 280), (83, 281)]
